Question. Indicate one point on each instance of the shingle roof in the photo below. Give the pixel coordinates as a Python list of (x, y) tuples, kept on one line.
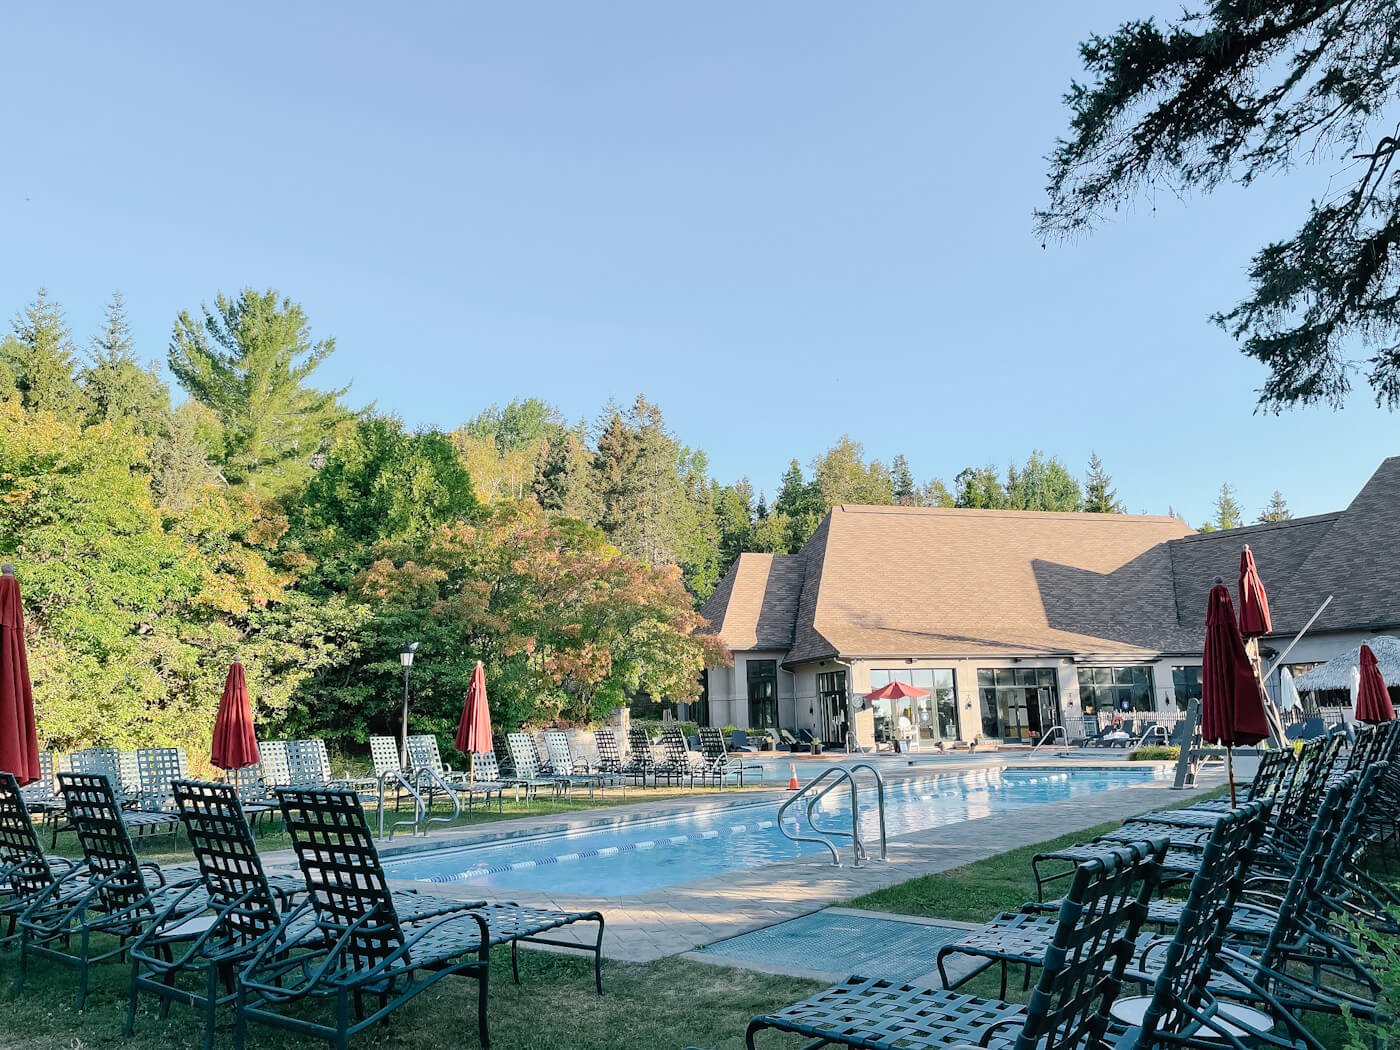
[(755, 605), (909, 581), (898, 581)]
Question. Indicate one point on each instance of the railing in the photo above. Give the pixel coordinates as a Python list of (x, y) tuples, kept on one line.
[(435, 784), (829, 780), (400, 783), (1049, 736)]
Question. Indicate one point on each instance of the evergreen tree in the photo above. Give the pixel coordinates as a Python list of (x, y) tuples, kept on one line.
[(734, 519), (902, 482), (250, 359), (1277, 510), (43, 359), (1228, 514), (936, 494), (799, 506), (1099, 495), (1042, 484), (979, 488), (563, 477), (115, 385), (1231, 92), (179, 461)]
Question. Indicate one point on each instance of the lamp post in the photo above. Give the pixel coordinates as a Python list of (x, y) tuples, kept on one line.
[(405, 658)]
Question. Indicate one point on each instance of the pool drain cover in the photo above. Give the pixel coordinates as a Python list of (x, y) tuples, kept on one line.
[(839, 944)]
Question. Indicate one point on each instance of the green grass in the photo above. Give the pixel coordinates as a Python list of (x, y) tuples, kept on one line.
[(667, 1003)]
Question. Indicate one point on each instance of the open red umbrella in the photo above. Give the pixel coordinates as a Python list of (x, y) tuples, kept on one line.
[(897, 691), (1372, 699), (1254, 602), (474, 729), (1232, 701), (235, 743), (19, 743)]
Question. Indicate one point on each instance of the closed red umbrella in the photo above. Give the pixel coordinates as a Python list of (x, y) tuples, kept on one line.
[(235, 742), (19, 742), (1254, 602), (474, 728), (1372, 698), (1232, 701), (897, 691)]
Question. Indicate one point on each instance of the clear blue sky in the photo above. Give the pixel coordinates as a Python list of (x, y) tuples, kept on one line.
[(782, 221)]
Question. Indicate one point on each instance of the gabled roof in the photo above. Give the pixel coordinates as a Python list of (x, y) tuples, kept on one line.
[(755, 605), (909, 581), (900, 581)]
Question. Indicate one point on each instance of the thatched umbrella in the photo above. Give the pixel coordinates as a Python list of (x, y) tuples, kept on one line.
[(1335, 674)]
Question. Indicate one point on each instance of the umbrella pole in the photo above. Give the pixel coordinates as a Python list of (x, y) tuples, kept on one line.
[(1230, 767), (471, 768)]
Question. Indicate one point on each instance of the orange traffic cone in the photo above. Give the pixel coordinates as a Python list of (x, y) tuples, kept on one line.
[(792, 778)]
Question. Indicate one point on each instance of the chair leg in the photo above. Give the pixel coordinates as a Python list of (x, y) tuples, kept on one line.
[(483, 1032), (598, 957), (515, 960), (130, 1028)]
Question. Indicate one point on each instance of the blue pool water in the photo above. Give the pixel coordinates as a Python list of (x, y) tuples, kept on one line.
[(636, 856)]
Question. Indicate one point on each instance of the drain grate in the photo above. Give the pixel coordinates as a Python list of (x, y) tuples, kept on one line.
[(840, 944)]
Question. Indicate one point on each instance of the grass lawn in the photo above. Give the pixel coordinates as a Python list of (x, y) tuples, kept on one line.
[(671, 1003)]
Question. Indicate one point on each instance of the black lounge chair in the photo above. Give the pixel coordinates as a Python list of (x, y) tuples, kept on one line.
[(717, 765), (27, 874), (578, 769), (677, 763), (120, 895), (1069, 1009), (739, 741), (642, 761)]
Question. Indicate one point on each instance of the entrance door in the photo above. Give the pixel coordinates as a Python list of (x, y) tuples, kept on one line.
[(1015, 714), (834, 720)]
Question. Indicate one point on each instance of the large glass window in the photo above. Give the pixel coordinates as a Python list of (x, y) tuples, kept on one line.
[(924, 719), (763, 693), (832, 707), (1186, 684), (1018, 703), (1125, 688)]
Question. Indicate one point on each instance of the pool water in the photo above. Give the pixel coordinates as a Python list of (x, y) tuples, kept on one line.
[(637, 856)]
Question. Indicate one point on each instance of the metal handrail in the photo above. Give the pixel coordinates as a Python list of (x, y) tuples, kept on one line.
[(435, 783), (419, 807), (828, 780), (1050, 735)]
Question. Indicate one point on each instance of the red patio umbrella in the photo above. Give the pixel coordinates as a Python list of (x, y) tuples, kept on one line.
[(1232, 701), (897, 691), (19, 743), (1254, 602), (1372, 699), (235, 743), (474, 728)]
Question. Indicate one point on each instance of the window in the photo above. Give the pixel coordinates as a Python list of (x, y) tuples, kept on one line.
[(1127, 688), (700, 709), (1186, 684), (926, 718), (763, 693), (1018, 703)]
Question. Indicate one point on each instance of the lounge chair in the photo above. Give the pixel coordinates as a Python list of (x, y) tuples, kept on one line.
[(642, 760), (717, 765), (610, 754), (364, 940), (42, 797), (108, 762), (1308, 729), (275, 767), (790, 742), (157, 768), (254, 793), (678, 763), (578, 769), (1069, 1009), (527, 772), (120, 896), (739, 741), (27, 874)]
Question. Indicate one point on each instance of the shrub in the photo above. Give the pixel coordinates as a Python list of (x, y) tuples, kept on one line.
[(1154, 753)]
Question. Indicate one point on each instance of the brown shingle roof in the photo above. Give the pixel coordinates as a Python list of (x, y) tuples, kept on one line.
[(911, 581), (755, 605)]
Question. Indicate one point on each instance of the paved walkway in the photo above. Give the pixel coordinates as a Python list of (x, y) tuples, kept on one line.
[(677, 919)]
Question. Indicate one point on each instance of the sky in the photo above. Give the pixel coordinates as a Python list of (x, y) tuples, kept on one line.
[(783, 222)]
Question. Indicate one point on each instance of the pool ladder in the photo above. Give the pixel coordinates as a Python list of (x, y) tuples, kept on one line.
[(817, 789)]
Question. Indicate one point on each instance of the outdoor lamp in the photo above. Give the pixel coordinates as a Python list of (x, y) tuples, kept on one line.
[(405, 658)]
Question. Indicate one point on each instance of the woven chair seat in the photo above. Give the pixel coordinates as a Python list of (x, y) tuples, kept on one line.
[(1011, 936), (1189, 817), (450, 938), (143, 818), (881, 1015), (1246, 922), (1177, 837), (509, 922)]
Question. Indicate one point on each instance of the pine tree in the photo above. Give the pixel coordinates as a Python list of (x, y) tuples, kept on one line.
[(44, 359), (902, 481), (979, 488), (1277, 510), (1228, 514), (250, 359), (115, 384), (563, 476), (1099, 495), (1042, 484)]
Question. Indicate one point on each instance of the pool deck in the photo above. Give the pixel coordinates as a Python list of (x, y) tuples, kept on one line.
[(676, 919)]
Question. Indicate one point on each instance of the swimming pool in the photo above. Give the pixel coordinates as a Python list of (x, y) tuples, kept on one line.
[(636, 856)]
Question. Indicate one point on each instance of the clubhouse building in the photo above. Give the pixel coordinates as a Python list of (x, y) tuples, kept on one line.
[(1015, 621)]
